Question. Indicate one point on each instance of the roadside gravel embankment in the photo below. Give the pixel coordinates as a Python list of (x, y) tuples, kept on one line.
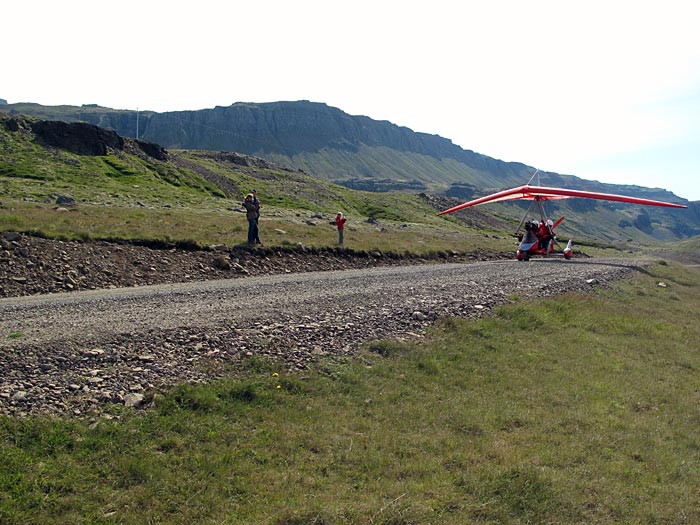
[(76, 353)]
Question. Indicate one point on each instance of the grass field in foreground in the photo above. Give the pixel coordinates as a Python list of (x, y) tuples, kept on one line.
[(581, 409)]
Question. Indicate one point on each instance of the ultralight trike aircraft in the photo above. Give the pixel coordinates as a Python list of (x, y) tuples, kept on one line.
[(539, 237)]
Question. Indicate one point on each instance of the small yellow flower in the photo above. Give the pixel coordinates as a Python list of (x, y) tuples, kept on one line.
[(278, 386), (275, 374)]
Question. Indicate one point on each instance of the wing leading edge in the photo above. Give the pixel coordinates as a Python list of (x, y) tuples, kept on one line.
[(543, 193)]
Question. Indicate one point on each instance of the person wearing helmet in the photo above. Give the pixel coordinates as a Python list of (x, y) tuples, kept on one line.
[(545, 235)]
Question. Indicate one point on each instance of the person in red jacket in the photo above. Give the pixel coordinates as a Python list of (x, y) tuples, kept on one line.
[(545, 235), (340, 223)]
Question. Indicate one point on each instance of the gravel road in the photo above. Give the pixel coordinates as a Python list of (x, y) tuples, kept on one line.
[(77, 353)]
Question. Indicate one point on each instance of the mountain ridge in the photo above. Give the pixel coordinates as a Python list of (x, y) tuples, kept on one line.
[(34, 157), (324, 141)]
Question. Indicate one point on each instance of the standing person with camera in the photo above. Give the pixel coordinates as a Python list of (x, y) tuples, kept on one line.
[(252, 213), (340, 224)]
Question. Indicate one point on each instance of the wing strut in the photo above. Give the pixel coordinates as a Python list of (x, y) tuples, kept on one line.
[(540, 207), (522, 221)]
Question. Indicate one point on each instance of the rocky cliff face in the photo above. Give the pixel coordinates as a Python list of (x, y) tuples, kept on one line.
[(290, 129)]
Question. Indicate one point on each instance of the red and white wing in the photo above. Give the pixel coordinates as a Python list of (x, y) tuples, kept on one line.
[(543, 193)]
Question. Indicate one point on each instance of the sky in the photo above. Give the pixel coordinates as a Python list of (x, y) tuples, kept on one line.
[(604, 90)]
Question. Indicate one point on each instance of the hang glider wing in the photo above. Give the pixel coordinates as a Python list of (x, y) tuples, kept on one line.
[(544, 194)]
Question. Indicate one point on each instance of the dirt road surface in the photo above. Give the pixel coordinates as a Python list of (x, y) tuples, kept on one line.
[(77, 353)]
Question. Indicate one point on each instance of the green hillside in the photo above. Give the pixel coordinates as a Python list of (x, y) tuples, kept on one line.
[(195, 196), (128, 189)]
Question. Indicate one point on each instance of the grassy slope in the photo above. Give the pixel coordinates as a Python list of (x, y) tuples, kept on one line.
[(574, 410), (384, 162), (607, 223), (133, 197), (130, 197), (686, 252)]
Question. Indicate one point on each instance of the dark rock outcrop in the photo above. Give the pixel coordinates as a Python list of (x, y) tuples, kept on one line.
[(77, 137), (152, 150), (85, 139), (12, 124)]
